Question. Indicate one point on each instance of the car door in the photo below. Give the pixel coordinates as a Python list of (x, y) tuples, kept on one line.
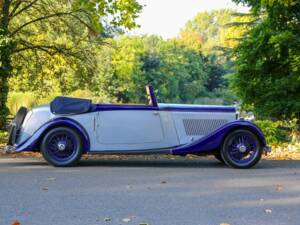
[(129, 129)]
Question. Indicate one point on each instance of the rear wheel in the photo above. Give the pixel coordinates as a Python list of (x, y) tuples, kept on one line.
[(62, 146), (241, 149)]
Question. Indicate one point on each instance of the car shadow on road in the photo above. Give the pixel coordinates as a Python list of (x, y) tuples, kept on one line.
[(206, 163), (132, 162), (201, 163)]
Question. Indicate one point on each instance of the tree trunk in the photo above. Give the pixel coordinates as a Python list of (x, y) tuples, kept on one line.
[(5, 60), (3, 98)]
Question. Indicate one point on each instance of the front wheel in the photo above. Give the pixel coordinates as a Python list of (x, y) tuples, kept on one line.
[(62, 146), (241, 149)]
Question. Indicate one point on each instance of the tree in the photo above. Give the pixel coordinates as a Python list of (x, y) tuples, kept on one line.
[(175, 70), (216, 72), (214, 34), (267, 77), (22, 21), (208, 28)]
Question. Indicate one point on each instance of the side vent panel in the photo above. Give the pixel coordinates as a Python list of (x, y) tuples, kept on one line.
[(197, 127)]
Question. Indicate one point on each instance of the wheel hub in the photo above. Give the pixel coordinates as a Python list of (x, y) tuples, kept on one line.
[(61, 145), (242, 148)]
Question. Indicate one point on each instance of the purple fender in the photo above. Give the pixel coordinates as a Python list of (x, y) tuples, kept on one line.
[(33, 142), (215, 140)]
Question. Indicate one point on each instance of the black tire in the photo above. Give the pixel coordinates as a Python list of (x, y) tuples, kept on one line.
[(241, 149), (51, 150), (219, 157)]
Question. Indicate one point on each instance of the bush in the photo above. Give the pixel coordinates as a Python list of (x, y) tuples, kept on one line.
[(17, 99), (30, 99), (277, 132), (3, 137), (48, 98), (89, 95)]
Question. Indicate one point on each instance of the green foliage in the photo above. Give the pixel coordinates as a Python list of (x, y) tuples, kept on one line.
[(278, 131), (208, 26), (178, 72), (87, 94), (18, 99), (272, 132), (3, 137), (267, 75), (214, 34), (30, 99), (210, 31), (108, 16), (216, 74), (66, 55), (50, 46)]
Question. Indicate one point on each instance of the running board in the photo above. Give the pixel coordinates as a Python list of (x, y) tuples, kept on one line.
[(131, 152)]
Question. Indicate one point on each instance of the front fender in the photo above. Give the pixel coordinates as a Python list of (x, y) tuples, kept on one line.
[(33, 142), (215, 140)]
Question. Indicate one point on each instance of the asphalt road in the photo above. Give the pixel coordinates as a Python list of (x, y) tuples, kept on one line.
[(160, 192)]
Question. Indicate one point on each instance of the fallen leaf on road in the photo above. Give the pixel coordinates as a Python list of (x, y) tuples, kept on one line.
[(126, 220), (268, 210), (279, 188), (107, 219), (16, 223)]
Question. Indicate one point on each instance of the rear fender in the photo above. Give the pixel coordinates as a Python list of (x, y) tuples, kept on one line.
[(215, 140), (33, 143)]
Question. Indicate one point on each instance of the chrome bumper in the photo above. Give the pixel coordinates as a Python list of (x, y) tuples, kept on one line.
[(9, 149)]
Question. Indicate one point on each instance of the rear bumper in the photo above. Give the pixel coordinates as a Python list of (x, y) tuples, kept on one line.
[(10, 149)]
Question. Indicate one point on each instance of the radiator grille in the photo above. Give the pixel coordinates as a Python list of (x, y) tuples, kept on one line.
[(195, 127)]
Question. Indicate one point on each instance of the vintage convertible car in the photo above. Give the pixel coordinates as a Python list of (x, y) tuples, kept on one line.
[(70, 127)]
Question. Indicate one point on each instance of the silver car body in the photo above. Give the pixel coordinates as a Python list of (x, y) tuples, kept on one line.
[(135, 130)]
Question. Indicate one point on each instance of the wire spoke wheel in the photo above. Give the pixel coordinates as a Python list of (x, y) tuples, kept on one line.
[(61, 146), (241, 149)]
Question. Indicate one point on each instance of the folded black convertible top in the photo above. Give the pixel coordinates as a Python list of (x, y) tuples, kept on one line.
[(66, 105)]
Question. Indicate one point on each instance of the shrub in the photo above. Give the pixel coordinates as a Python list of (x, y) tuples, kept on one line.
[(17, 99), (3, 137), (30, 99), (89, 95), (48, 98), (279, 131)]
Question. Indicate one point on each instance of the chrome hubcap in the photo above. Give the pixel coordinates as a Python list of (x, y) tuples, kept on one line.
[(242, 148), (61, 146)]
